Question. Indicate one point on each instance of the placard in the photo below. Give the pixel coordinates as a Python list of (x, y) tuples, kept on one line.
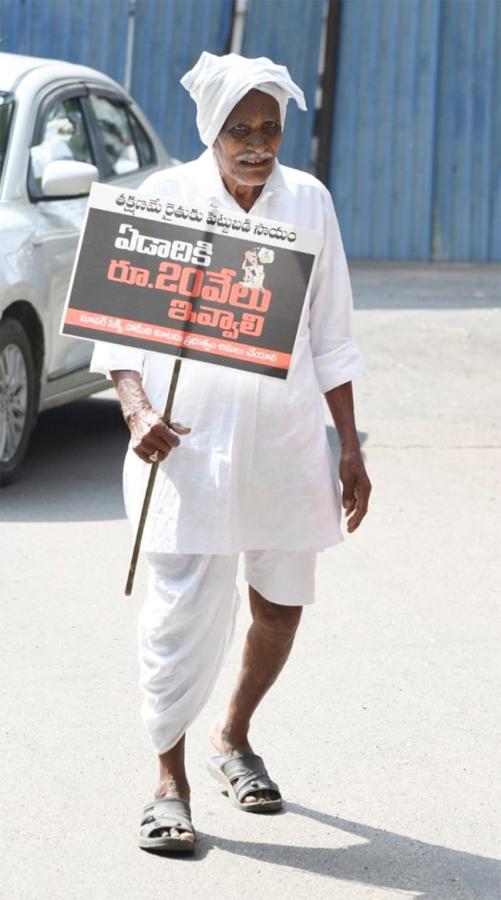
[(200, 282)]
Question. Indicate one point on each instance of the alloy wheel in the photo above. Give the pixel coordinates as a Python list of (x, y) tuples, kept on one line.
[(13, 400)]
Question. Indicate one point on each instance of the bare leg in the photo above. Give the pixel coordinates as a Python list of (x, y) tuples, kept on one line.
[(174, 783), (268, 644)]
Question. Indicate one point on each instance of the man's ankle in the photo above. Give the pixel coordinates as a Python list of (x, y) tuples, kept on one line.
[(172, 785), (236, 735), (164, 792)]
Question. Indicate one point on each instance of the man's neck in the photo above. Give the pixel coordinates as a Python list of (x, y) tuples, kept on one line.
[(245, 195)]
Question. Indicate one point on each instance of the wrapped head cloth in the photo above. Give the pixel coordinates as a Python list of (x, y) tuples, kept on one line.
[(218, 83)]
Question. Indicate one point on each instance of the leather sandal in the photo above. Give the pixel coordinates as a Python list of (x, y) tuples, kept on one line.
[(248, 773), (166, 812)]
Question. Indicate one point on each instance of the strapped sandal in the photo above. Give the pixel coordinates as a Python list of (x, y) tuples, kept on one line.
[(250, 773), (167, 812)]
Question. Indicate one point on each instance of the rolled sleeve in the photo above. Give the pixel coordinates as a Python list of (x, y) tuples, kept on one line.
[(108, 358), (338, 366), (336, 356)]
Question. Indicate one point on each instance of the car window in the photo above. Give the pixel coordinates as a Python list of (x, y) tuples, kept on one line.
[(117, 135), (6, 110), (64, 136), (143, 143)]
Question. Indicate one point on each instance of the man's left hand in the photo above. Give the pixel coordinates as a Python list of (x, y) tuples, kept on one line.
[(356, 487)]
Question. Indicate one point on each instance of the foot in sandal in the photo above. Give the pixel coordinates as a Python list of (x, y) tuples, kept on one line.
[(166, 825), (166, 821), (243, 773)]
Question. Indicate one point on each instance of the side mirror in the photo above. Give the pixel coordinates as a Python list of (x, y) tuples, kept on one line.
[(68, 178)]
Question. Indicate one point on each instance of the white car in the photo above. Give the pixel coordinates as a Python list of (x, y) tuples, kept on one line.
[(62, 126)]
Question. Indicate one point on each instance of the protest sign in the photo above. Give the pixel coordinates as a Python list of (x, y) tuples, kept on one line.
[(196, 281)]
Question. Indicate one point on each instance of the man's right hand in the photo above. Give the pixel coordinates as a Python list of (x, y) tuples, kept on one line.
[(149, 433)]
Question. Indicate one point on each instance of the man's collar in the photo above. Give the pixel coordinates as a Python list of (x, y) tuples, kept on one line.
[(276, 183)]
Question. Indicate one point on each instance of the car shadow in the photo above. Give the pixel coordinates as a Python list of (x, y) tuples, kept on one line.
[(73, 467), (375, 857)]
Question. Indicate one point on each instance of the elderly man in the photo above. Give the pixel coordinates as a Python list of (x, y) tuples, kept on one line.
[(249, 470)]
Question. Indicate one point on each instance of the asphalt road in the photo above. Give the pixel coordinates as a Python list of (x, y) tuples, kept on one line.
[(383, 731)]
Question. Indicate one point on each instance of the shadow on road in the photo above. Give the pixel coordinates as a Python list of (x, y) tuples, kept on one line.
[(73, 468), (379, 858)]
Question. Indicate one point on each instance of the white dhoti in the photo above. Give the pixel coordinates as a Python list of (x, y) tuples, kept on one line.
[(187, 622)]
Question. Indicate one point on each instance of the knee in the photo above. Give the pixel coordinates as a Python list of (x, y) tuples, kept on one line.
[(277, 620)]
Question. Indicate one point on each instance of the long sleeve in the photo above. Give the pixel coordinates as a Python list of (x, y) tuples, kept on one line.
[(107, 358), (336, 356)]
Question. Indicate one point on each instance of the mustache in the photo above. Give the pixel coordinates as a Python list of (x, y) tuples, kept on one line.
[(249, 156)]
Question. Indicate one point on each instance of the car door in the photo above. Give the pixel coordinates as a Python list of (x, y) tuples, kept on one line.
[(91, 124), (61, 132)]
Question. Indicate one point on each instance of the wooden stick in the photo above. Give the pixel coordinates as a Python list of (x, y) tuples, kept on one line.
[(151, 481)]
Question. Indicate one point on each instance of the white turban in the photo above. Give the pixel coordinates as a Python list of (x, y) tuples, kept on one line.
[(217, 83)]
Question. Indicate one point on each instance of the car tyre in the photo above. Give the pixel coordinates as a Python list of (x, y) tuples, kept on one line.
[(17, 397)]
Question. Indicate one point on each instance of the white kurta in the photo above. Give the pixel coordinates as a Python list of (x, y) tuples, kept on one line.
[(256, 471)]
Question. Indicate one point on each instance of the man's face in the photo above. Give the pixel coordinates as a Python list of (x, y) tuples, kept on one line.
[(249, 139)]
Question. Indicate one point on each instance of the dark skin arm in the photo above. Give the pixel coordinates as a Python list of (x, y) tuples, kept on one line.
[(352, 473), (147, 428)]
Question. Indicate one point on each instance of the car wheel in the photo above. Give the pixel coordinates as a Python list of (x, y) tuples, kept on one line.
[(17, 397)]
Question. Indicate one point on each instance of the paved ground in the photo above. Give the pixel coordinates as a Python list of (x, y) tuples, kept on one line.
[(384, 729)]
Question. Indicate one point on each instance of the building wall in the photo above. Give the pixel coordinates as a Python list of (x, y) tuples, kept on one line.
[(416, 144), (168, 39), (383, 135), (415, 148), (92, 33), (467, 160)]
